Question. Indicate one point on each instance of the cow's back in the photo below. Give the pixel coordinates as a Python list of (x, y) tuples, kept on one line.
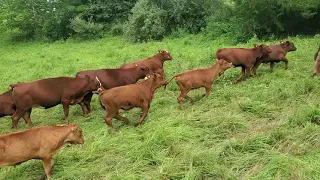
[(234, 55)]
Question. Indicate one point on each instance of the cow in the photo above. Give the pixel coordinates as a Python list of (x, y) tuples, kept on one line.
[(130, 96), (278, 53), (48, 93), (111, 78), (317, 66), (195, 79), (154, 63), (37, 143), (243, 57)]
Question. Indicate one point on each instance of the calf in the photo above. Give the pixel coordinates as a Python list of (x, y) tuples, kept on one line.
[(278, 53), (48, 93), (154, 63), (317, 66), (111, 78), (130, 96), (244, 57), (199, 78), (37, 143)]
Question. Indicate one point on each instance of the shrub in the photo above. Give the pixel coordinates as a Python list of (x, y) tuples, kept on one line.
[(86, 29)]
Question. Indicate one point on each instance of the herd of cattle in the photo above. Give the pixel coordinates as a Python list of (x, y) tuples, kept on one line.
[(117, 89)]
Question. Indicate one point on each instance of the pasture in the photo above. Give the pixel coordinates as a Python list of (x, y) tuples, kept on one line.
[(261, 128)]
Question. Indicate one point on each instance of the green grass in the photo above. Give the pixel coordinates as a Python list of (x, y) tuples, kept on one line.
[(262, 128)]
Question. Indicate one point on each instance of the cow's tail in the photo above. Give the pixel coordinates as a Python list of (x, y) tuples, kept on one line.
[(316, 54), (100, 100), (13, 86), (165, 86)]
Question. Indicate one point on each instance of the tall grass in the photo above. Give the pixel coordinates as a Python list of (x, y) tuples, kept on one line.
[(262, 128)]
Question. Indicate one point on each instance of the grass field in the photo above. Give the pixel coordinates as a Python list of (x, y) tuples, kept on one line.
[(262, 128)]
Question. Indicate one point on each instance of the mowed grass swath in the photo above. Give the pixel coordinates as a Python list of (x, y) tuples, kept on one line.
[(261, 128)]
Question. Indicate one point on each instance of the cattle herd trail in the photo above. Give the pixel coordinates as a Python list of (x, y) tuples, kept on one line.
[(263, 126)]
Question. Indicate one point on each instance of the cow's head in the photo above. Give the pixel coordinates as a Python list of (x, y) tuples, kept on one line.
[(143, 70), (94, 84), (75, 136), (165, 54), (289, 46), (157, 80), (224, 65), (264, 49)]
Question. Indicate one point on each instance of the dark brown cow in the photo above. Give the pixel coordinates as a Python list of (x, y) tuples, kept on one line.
[(37, 143), (317, 59), (130, 96), (111, 78), (278, 53), (48, 93), (154, 63), (199, 78), (243, 57)]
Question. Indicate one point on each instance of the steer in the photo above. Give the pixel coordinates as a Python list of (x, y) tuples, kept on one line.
[(244, 57), (195, 79), (48, 93), (130, 96), (278, 53), (37, 143), (154, 63), (317, 66), (111, 78)]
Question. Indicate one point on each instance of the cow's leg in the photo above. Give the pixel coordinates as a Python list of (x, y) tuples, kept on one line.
[(145, 108), (271, 66), (316, 69), (27, 118), (109, 116), (86, 108), (286, 62), (16, 116), (208, 90), (189, 98), (255, 67), (243, 70), (47, 165), (66, 112), (182, 95), (121, 118), (248, 72)]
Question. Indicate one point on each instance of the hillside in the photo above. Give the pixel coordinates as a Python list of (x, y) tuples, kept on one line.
[(262, 128)]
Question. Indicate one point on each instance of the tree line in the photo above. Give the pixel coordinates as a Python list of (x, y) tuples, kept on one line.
[(144, 20)]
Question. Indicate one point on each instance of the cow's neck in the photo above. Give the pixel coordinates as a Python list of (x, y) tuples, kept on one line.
[(61, 133), (215, 70), (160, 58), (151, 88)]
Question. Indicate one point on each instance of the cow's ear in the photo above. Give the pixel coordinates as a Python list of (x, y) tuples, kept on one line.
[(74, 127), (159, 51), (86, 76), (288, 43)]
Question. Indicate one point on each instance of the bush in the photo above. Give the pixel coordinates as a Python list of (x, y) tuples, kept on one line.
[(86, 30), (153, 19)]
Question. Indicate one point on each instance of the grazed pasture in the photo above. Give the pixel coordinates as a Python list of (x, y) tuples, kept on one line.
[(262, 128)]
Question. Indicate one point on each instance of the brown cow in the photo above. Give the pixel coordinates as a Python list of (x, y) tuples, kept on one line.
[(154, 63), (278, 53), (317, 66), (195, 79), (244, 57), (48, 93), (130, 96), (37, 143), (111, 78)]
